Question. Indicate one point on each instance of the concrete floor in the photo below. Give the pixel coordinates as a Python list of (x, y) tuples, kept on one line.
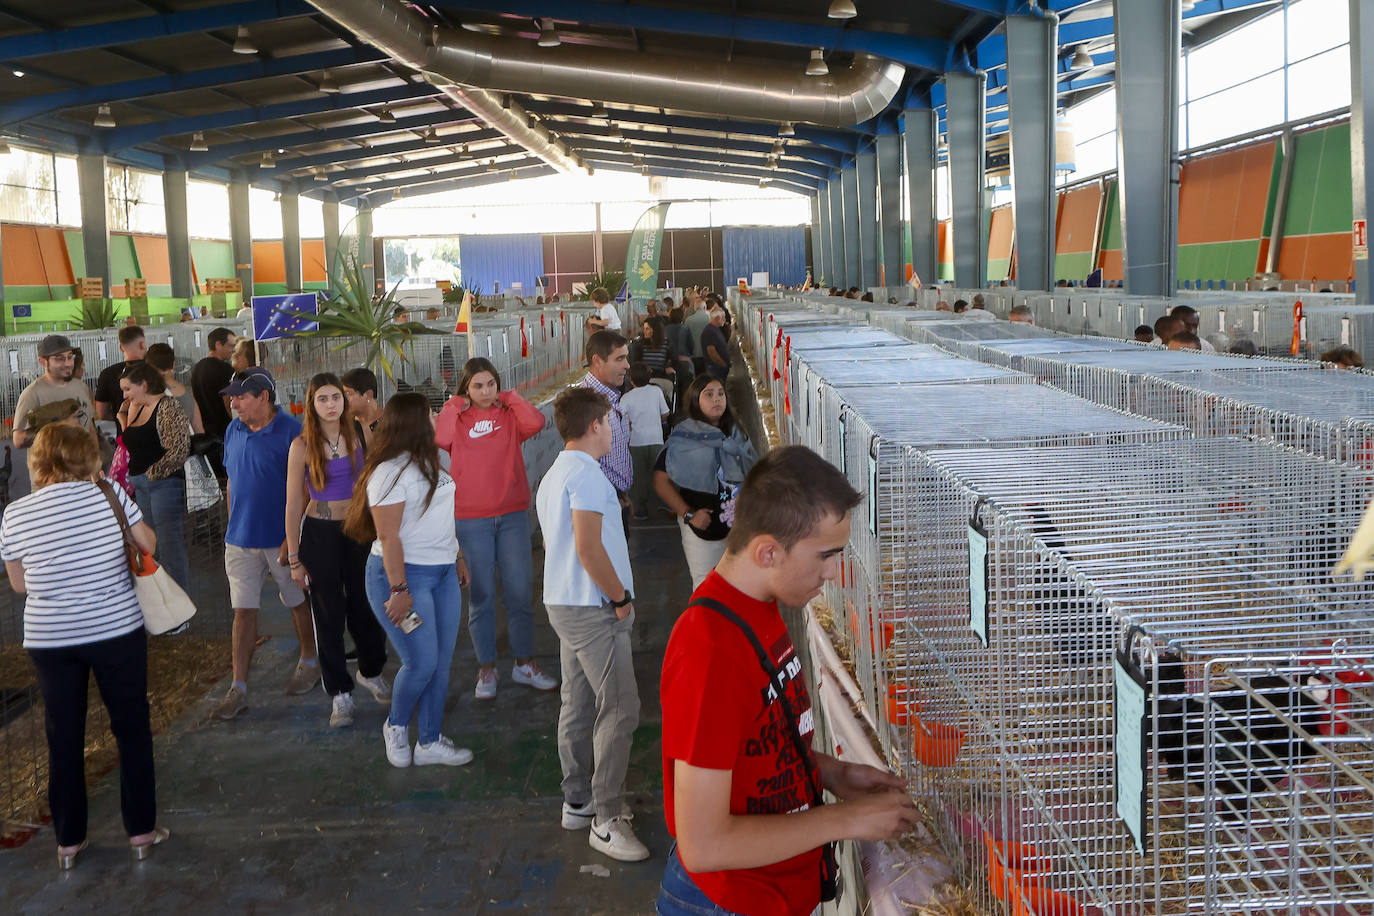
[(276, 812)]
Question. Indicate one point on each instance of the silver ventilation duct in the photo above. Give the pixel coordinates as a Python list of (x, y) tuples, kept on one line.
[(467, 64)]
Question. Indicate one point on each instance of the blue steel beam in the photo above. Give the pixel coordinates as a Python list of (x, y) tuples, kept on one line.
[(125, 137), (390, 184), (825, 157), (36, 105), (366, 173), (924, 53), (802, 168), (340, 157), (226, 151), (143, 28), (661, 166), (458, 184)]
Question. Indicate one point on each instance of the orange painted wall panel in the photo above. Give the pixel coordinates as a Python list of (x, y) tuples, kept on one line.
[(1321, 257), (1111, 264), (269, 262), (57, 266), (152, 258), (312, 261), (1000, 234), (1221, 197), (946, 243), (1075, 231), (22, 258)]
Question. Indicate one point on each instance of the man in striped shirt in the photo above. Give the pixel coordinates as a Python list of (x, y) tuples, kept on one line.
[(608, 359)]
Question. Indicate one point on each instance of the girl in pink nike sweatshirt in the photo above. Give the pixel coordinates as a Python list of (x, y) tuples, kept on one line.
[(482, 428)]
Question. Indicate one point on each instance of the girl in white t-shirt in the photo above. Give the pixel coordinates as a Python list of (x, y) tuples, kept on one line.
[(403, 503)]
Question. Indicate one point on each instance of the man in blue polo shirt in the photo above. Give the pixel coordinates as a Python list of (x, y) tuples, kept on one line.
[(255, 448)]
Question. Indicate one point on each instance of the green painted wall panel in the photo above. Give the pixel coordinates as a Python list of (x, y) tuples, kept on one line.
[(24, 294), (1319, 200), (998, 269), (212, 259), (76, 252), (269, 289), (1074, 265), (946, 272), (123, 259), (1111, 221), (1275, 174), (1230, 261)]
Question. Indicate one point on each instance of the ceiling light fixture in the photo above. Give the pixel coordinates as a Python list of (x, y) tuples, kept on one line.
[(198, 144), (599, 110), (763, 182), (786, 130), (548, 35), (319, 175), (841, 9), (816, 66), (243, 43), (103, 118), (4, 147), (396, 194), (327, 84), (1186, 6), (386, 116), (432, 135), (267, 161), (1082, 60), (615, 133), (18, 73), (644, 171), (465, 149)]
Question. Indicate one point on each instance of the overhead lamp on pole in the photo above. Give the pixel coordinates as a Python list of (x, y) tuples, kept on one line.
[(432, 135), (267, 161), (397, 195), (548, 35), (841, 9), (386, 116), (327, 83), (103, 118), (198, 144), (243, 42), (816, 66), (787, 130), (1082, 60)]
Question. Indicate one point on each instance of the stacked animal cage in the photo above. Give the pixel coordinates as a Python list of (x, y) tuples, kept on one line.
[(1129, 682)]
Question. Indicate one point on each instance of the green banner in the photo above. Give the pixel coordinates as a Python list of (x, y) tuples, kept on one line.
[(641, 261)]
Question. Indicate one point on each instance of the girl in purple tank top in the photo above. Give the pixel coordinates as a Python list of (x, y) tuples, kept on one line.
[(321, 470)]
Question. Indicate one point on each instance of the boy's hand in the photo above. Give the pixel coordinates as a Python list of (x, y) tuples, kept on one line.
[(852, 780), (878, 816)]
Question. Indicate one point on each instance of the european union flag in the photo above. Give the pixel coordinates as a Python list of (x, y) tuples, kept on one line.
[(275, 316)]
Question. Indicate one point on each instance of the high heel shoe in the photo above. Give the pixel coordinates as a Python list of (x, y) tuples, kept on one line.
[(67, 861), (143, 850)]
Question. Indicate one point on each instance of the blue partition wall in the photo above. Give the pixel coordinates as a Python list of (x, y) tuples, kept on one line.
[(780, 250), (486, 260)]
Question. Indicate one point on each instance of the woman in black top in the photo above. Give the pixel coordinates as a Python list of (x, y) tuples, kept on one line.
[(652, 348), (157, 434)]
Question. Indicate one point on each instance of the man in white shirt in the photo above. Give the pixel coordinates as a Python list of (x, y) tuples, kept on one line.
[(607, 318), (588, 590)]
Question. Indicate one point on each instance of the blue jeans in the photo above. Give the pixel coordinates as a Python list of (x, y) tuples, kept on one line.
[(163, 504), (503, 542), (421, 686), (679, 896)]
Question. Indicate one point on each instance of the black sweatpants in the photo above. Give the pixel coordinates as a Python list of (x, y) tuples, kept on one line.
[(120, 666), (338, 598)]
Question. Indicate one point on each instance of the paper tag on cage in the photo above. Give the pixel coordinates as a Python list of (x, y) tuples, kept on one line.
[(844, 459), (978, 581), (873, 494), (1129, 699)]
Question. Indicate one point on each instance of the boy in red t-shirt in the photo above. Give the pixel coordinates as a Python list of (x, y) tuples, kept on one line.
[(735, 775)]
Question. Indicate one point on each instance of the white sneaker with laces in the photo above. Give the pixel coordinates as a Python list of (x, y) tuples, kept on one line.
[(616, 838), (396, 738), (441, 751), (486, 684), (342, 714), (531, 676), (579, 817), (377, 686)]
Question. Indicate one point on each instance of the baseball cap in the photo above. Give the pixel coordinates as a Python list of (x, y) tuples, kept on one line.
[(250, 381), (53, 344)]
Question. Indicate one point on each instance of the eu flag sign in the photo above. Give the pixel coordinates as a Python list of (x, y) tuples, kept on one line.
[(283, 316)]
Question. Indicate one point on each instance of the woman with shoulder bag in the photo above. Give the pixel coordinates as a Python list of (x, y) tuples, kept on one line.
[(157, 435), (82, 616), (698, 472), (482, 427), (415, 571), (321, 469)]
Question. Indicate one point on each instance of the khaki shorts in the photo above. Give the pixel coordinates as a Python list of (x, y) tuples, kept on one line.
[(248, 568)]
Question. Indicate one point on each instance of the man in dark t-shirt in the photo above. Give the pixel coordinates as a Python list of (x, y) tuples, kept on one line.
[(209, 377), (714, 347), (109, 397)]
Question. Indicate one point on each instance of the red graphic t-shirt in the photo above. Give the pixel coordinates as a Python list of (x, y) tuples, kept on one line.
[(719, 714)]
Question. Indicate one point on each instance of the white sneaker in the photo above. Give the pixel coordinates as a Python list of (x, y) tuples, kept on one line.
[(396, 738), (486, 684), (377, 686), (441, 751), (616, 838), (531, 676), (342, 714), (580, 817)]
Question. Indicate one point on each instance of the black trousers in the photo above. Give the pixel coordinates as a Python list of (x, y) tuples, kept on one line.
[(120, 666), (338, 598)]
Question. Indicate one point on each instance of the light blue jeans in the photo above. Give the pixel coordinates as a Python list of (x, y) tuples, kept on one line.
[(678, 895), (501, 543), (421, 686), (163, 504)]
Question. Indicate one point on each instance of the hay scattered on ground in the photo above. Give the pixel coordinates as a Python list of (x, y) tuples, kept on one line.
[(181, 670)]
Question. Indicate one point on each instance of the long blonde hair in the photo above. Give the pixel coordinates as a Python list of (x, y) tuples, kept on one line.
[(62, 453)]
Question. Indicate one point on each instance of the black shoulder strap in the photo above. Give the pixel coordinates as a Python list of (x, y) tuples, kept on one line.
[(813, 776)]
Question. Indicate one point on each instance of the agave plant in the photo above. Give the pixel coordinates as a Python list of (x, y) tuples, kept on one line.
[(352, 316), (610, 280), (96, 314)]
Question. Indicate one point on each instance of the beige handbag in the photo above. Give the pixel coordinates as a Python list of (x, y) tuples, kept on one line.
[(165, 606)]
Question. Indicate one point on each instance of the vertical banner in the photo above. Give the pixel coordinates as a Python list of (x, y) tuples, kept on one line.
[(641, 261), (464, 325)]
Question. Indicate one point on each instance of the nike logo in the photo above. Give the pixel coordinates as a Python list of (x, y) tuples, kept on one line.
[(604, 837), (482, 428)]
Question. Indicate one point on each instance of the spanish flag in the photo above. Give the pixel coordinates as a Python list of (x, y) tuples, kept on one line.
[(807, 285), (464, 325)]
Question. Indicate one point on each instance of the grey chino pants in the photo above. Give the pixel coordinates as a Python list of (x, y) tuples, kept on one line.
[(600, 709)]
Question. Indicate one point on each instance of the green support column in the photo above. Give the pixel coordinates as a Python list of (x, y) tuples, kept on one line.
[(918, 128), (178, 233), (889, 155), (241, 233), (95, 227), (966, 119), (866, 171), (291, 237), (331, 243)]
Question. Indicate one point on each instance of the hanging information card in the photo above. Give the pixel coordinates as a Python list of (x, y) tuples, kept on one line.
[(1130, 697), (978, 580)]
